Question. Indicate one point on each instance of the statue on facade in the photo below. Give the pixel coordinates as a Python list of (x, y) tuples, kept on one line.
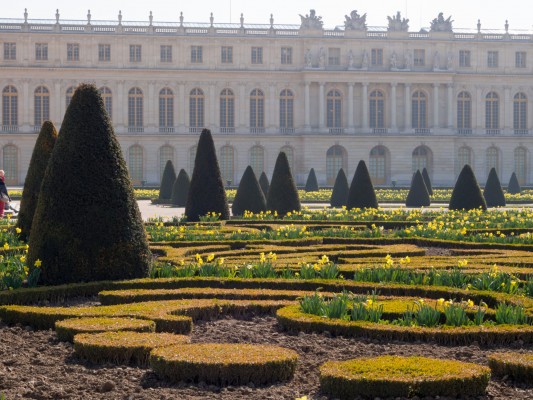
[(308, 58), (449, 61), (355, 22), (408, 60), (397, 23), (440, 24), (311, 21), (322, 58), (436, 60), (365, 59), (350, 60), (394, 61)]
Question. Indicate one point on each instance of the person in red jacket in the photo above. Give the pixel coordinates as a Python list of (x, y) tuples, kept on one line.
[(4, 196)]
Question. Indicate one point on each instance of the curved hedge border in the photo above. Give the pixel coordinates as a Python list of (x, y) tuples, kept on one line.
[(518, 366), (393, 376), (291, 318), (124, 347), (67, 329), (224, 363)]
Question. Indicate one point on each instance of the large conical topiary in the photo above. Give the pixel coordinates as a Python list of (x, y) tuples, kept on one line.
[(180, 189), (264, 183), (282, 194), (167, 181), (361, 194), (312, 184), (206, 192), (249, 195), (493, 191), (514, 186), (339, 195), (418, 195), (466, 193), (427, 181), (87, 225), (32, 185)]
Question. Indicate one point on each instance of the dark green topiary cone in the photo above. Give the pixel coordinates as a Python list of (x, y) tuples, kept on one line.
[(514, 186), (466, 193), (362, 194), (282, 194), (167, 181), (249, 195), (418, 195), (339, 195), (312, 184), (427, 181), (180, 189), (263, 182), (493, 191)]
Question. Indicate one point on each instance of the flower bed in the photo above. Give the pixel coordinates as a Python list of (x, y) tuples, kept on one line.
[(518, 366), (67, 329)]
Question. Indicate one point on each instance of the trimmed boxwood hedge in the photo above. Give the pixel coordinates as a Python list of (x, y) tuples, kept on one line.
[(339, 194), (224, 363), (493, 192), (395, 376), (249, 196), (361, 193), (518, 366), (180, 189), (123, 347), (67, 329), (311, 185), (167, 181), (282, 195), (466, 193), (514, 186)]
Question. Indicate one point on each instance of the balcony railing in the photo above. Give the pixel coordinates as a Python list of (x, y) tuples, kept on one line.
[(195, 129), (492, 131), (10, 128), (464, 131), (521, 131), (135, 129), (286, 130), (379, 131), (36, 128), (422, 131), (227, 130), (166, 129), (336, 131), (257, 130)]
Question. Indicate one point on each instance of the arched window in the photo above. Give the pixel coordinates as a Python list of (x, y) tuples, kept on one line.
[(136, 164), (520, 164), (336, 158), (464, 156), (492, 111), (464, 112), (257, 160), (377, 109), (166, 153), (378, 165), (10, 108), (289, 152), (196, 110), (257, 111), (10, 164), (108, 100), (227, 111), (422, 159), (419, 110), (192, 158), (286, 110), (41, 106), (334, 109), (493, 159), (68, 96), (135, 110), (166, 110), (520, 113), (227, 162)]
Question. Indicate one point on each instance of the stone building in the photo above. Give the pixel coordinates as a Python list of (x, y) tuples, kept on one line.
[(400, 100)]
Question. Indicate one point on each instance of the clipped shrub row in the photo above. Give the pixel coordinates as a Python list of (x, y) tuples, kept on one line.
[(518, 366), (68, 328)]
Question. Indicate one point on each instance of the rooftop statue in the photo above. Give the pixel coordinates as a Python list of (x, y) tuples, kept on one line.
[(311, 21), (355, 22), (440, 24), (397, 23)]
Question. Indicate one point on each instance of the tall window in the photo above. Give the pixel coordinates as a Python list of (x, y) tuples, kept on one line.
[(166, 53), (227, 110), (334, 56), (41, 51), (257, 110), (376, 58), (10, 164), (419, 57), (493, 159), (520, 164), (10, 51), (166, 153), (419, 110), (377, 109), (227, 163), (289, 152), (192, 158), (257, 55), (464, 111), (520, 112), (41, 106), (257, 160), (73, 52), (166, 108), (334, 109), (421, 159), (464, 157), (135, 53), (286, 55), (492, 111), (106, 94), (196, 108), (135, 109), (197, 56), (68, 96), (226, 55), (492, 59), (464, 58), (104, 52), (286, 110), (378, 165), (336, 158), (520, 59), (136, 164), (10, 107)]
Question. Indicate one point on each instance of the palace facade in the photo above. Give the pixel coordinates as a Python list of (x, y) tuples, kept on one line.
[(400, 100)]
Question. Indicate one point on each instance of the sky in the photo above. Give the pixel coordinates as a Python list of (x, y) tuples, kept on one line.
[(465, 13)]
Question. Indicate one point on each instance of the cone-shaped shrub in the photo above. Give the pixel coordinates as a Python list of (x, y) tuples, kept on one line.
[(32, 185), (514, 186), (361, 194), (493, 191), (167, 181), (466, 193), (180, 189), (312, 184), (87, 225), (206, 192), (249, 195), (418, 195), (282, 194), (427, 181), (339, 195), (264, 183)]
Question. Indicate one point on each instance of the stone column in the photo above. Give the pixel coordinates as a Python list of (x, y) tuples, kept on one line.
[(243, 105), (479, 109), (55, 107), (182, 108), (508, 110), (211, 106), (394, 123), (450, 106), (26, 117), (121, 106), (307, 107), (321, 107), (436, 105), (350, 106), (271, 110), (152, 108), (364, 99), (408, 121)]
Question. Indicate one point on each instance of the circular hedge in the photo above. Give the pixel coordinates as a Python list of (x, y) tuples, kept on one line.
[(67, 329), (123, 347), (518, 366), (394, 376), (224, 363)]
